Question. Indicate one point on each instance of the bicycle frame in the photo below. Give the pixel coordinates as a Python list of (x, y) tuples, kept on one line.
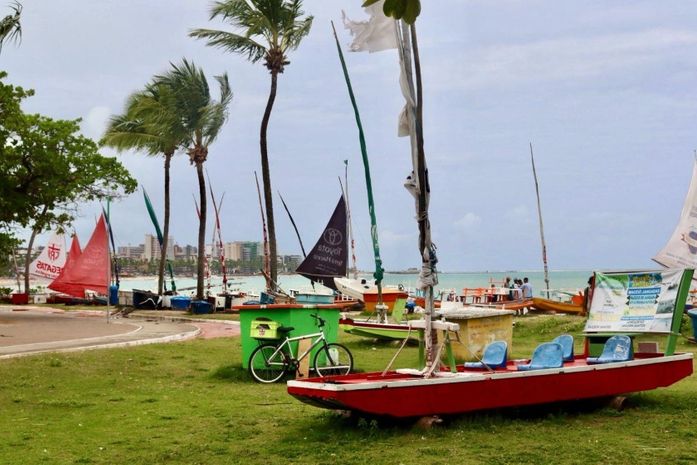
[(287, 342)]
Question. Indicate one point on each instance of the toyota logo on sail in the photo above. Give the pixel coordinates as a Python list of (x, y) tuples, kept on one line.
[(333, 236)]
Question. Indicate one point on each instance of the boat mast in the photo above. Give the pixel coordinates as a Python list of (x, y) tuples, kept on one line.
[(108, 266), (295, 227), (354, 269), (539, 216), (379, 272), (206, 264), (221, 248), (267, 263), (158, 231), (417, 183)]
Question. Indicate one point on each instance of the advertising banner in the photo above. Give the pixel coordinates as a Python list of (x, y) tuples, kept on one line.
[(634, 301)]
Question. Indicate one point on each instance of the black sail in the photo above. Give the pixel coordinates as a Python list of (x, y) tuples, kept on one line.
[(329, 257)]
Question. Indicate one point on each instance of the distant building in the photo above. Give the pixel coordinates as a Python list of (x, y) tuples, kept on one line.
[(131, 251), (245, 251), (152, 249), (187, 252), (290, 262)]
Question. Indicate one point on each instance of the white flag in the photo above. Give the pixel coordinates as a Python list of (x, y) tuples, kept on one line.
[(375, 35)]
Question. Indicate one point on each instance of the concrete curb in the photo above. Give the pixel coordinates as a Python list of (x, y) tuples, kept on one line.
[(155, 340), (180, 319)]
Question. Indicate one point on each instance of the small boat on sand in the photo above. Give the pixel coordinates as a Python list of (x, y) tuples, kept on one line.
[(548, 305)]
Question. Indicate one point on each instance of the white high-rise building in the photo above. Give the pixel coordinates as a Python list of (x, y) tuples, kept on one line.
[(151, 250)]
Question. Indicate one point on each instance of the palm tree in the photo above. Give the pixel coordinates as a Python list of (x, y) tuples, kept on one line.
[(150, 123), (268, 29), (10, 27), (201, 117)]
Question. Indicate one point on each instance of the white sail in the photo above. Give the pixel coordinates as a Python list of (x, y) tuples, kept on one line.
[(50, 262), (681, 249)]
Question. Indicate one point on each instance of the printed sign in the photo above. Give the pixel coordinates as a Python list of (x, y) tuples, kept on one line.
[(634, 302)]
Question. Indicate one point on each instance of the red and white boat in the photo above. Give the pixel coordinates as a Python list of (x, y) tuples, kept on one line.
[(367, 292), (631, 302), (402, 394)]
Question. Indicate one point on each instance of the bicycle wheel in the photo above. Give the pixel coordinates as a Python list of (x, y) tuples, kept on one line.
[(333, 359), (266, 367)]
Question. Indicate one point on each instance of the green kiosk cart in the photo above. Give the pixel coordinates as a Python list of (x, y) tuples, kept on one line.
[(261, 321)]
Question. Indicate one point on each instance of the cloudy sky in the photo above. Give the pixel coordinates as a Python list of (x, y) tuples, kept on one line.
[(605, 91)]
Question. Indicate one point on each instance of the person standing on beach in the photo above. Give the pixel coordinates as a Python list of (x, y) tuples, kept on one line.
[(526, 288)]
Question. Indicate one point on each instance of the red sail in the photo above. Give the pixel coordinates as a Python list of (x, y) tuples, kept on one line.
[(74, 252), (91, 268)]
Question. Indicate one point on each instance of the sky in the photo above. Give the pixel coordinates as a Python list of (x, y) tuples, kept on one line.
[(605, 91)]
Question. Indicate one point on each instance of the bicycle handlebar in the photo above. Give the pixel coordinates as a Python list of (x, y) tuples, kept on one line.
[(321, 321)]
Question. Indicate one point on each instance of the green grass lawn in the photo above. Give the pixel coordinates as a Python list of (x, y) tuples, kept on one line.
[(191, 403)]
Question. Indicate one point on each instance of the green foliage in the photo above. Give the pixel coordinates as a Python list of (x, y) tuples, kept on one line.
[(47, 168), (408, 10), (264, 29), (10, 25), (198, 115), (150, 122)]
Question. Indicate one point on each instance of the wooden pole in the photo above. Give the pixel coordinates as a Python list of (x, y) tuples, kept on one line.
[(539, 215)]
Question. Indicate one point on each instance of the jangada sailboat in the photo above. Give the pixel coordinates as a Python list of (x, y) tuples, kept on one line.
[(51, 260), (88, 270), (328, 259), (623, 304)]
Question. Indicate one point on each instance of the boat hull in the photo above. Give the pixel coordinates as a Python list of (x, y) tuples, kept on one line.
[(377, 330), (368, 294), (389, 298), (403, 395), (547, 305)]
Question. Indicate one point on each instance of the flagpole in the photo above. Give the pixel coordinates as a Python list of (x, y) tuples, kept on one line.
[(348, 219)]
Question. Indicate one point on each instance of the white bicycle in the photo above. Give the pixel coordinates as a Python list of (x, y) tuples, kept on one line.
[(270, 362)]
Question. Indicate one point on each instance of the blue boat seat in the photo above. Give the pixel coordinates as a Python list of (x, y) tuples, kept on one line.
[(495, 356), (567, 346), (546, 355), (617, 349)]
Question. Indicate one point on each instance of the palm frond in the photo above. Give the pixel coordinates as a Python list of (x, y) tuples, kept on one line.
[(10, 26), (231, 42), (278, 22)]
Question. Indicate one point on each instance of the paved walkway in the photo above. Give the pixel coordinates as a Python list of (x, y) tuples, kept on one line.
[(26, 330)]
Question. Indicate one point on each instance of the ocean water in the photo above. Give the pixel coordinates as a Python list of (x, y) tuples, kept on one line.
[(568, 280)]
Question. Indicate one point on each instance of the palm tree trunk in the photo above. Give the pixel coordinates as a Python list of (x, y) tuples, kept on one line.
[(201, 231), (266, 178), (163, 252)]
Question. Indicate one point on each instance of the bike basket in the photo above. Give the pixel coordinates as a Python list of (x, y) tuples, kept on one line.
[(265, 329)]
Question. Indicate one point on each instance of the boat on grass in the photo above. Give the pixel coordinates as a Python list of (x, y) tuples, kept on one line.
[(622, 306), (367, 292), (404, 394), (549, 305)]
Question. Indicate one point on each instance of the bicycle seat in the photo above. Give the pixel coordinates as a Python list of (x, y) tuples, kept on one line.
[(285, 329)]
